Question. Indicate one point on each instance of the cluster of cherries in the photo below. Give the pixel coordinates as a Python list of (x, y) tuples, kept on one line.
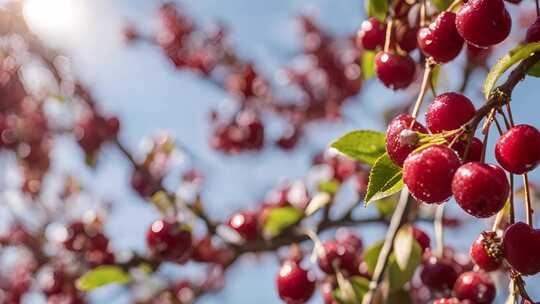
[(442, 40), (330, 75)]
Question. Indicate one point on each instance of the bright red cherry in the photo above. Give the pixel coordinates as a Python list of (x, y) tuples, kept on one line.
[(422, 238), (170, 240), (483, 22), (518, 150), (475, 150), (294, 284), (437, 274), (521, 245), (533, 32), (476, 287), (245, 224), (480, 189), (371, 35), (397, 144), (340, 256), (440, 39), (428, 173), (486, 251), (449, 111), (395, 71)]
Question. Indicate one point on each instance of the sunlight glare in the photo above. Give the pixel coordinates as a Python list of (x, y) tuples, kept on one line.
[(53, 17)]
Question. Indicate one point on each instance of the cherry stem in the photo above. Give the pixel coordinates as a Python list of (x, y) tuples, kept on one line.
[(511, 198), (388, 37), (528, 202), (439, 229), (430, 64), (398, 219), (454, 5), (423, 13)]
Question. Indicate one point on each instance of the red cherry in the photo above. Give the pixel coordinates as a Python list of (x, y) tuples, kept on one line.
[(441, 40), (521, 245), (170, 240), (438, 274), (294, 284), (341, 256), (397, 146), (428, 173), (406, 37), (518, 150), (478, 55), (422, 238), (483, 22), (480, 189), (486, 251), (475, 150), (395, 71), (327, 290), (533, 32), (475, 286), (449, 111), (245, 224), (371, 35), (348, 238)]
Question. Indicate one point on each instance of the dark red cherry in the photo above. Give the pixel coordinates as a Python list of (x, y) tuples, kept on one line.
[(440, 39), (395, 71), (521, 245), (245, 224), (170, 240), (449, 111), (533, 32), (438, 274), (486, 251), (398, 144), (518, 150), (348, 238), (428, 173), (422, 238), (483, 22), (477, 55), (371, 35), (476, 287), (294, 284), (475, 150), (339, 256), (406, 37), (480, 189)]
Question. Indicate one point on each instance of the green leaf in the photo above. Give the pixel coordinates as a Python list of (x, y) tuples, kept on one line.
[(385, 179), (404, 243), (330, 187), (101, 276), (441, 5), (356, 284), (377, 9), (399, 297), (368, 64), (516, 55), (279, 219), (534, 70), (365, 146), (387, 205), (371, 254), (397, 276)]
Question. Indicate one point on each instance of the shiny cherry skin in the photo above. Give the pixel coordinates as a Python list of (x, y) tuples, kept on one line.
[(440, 39), (170, 240), (533, 32), (483, 22), (518, 150), (295, 285), (437, 274), (340, 256), (449, 111), (447, 301), (480, 189), (395, 71), (476, 287), (486, 251), (399, 148), (521, 245), (428, 173), (371, 35), (245, 224)]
